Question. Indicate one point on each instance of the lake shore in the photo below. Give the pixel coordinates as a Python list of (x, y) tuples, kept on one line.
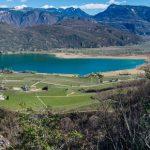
[(124, 72), (81, 55), (134, 71), (71, 55)]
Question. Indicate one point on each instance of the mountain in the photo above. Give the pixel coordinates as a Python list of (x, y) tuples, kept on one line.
[(65, 34), (37, 16), (135, 19), (43, 29)]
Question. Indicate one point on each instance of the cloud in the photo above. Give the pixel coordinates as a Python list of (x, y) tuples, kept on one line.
[(47, 6), (94, 6), (86, 6), (64, 7), (89, 6), (116, 2), (3, 6), (20, 7)]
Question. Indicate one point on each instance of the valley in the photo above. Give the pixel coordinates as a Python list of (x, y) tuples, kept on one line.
[(70, 80)]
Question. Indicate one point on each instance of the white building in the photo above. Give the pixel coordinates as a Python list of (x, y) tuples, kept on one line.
[(2, 97)]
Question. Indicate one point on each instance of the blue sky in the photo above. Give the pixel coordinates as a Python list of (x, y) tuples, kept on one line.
[(90, 6)]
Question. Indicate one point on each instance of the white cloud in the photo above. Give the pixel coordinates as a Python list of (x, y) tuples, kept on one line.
[(89, 6), (94, 6), (116, 2), (3, 6), (86, 6), (47, 6), (74, 6), (20, 7)]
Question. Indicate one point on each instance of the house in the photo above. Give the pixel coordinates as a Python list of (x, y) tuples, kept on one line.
[(25, 88), (2, 88), (45, 88), (2, 98)]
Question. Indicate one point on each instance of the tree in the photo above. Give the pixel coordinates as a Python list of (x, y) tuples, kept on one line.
[(127, 127), (147, 75), (100, 77)]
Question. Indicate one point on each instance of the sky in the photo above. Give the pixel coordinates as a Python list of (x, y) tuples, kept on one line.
[(89, 6)]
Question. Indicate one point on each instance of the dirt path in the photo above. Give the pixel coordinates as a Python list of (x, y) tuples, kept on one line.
[(64, 85), (37, 83), (70, 94), (64, 96), (41, 101)]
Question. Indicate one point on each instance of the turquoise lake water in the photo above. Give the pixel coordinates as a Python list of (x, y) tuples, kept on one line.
[(44, 63)]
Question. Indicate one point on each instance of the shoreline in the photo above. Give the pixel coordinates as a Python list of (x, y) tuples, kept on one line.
[(73, 56), (134, 71), (82, 56)]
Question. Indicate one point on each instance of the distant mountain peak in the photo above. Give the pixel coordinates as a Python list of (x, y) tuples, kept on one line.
[(21, 7), (134, 19), (22, 16), (112, 6)]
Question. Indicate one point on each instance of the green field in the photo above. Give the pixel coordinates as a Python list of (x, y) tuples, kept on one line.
[(64, 93)]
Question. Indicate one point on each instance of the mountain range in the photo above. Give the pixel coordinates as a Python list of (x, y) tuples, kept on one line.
[(135, 19), (37, 16), (66, 34), (38, 28)]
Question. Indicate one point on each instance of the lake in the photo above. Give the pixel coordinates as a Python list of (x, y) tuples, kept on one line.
[(44, 63)]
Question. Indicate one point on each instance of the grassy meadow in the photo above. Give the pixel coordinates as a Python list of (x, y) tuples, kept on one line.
[(64, 93)]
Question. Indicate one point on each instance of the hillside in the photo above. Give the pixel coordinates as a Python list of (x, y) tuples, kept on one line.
[(43, 29), (66, 34), (135, 19), (121, 115)]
